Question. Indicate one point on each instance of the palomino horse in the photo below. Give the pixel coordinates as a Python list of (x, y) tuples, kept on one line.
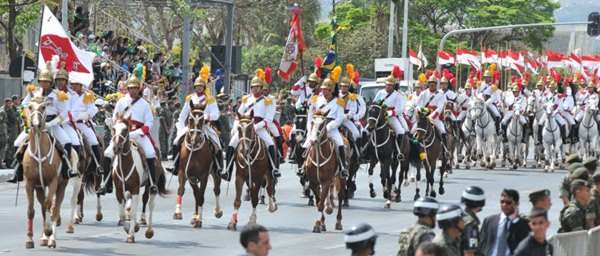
[(430, 150), (551, 138), (321, 170), (383, 143), (588, 132), (485, 132), (514, 135), (252, 168), (300, 120), (535, 114), (197, 164), (129, 176), (41, 171)]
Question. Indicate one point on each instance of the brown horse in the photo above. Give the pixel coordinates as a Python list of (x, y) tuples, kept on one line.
[(252, 168), (430, 149), (196, 155), (128, 176), (41, 171), (321, 170), (82, 166), (92, 180)]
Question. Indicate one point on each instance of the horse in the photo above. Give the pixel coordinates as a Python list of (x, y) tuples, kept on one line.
[(514, 135), (468, 142), (91, 182), (452, 140), (41, 172), (252, 168), (196, 155), (429, 149), (83, 168), (128, 176), (385, 152), (551, 138), (588, 133), (535, 113), (353, 166), (485, 133), (300, 120), (321, 168)]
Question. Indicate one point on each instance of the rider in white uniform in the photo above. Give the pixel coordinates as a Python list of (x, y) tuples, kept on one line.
[(271, 125), (138, 113), (56, 116), (395, 103), (566, 104), (303, 91), (256, 106), (200, 97), (587, 98), (513, 102), (434, 100), (327, 103), (82, 114)]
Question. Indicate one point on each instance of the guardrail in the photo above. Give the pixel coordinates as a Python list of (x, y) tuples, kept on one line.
[(584, 243)]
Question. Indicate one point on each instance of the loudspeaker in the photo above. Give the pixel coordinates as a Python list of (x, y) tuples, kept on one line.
[(218, 52)]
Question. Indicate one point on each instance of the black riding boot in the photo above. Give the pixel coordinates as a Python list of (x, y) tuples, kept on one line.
[(504, 131), (563, 133), (279, 143), (539, 134), (342, 161), (400, 140), (228, 164), (108, 186), (575, 134), (66, 158), (152, 174), (98, 156), (18, 175), (292, 148), (497, 121), (175, 154), (275, 165)]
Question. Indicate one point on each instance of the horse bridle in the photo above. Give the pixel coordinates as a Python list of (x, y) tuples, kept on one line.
[(254, 141), (429, 135), (479, 121), (196, 120), (297, 130)]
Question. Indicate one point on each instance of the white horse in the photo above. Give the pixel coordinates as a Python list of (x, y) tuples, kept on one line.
[(551, 138), (514, 135), (470, 147), (485, 133), (535, 111), (588, 133)]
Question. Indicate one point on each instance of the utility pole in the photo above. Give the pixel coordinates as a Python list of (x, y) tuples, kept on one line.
[(391, 29), (408, 67), (228, 47), (65, 15)]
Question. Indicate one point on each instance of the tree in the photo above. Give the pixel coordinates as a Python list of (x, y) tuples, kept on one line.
[(15, 17)]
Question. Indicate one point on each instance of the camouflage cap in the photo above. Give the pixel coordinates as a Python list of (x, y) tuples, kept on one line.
[(577, 184), (591, 164), (538, 195), (596, 177), (572, 167), (580, 173), (572, 158)]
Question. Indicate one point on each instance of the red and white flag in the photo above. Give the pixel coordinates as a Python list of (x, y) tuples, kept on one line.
[(554, 60), (414, 58), (293, 47), (55, 41), (445, 58), (590, 62), (489, 56), (532, 65), (573, 61), (468, 57)]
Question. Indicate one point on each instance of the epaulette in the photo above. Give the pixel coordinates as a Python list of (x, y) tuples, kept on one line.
[(62, 96), (210, 99), (341, 102), (88, 98), (352, 96), (313, 99), (268, 101), (244, 99)]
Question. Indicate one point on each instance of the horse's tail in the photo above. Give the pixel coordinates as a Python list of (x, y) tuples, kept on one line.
[(413, 156), (162, 185), (89, 180)]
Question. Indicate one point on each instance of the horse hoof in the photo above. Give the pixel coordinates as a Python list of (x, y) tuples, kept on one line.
[(136, 228), (317, 229), (120, 223), (387, 204), (70, 229), (397, 198), (177, 216), (311, 202), (328, 210), (29, 245), (130, 240), (262, 200), (386, 195), (48, 232), (78, 220), (323, 228), (59, 221), (373, 194), (44, 242), (52, 244), (218, 214), (196, 223), (442, 191), (467, 167), (149, 233), (432, 194), (338, 226), (232, 226), (345, 204), (142, 222), (417, 196), (99, 216)]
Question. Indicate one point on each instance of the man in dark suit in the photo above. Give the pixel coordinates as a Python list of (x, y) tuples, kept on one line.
[(501, 233)]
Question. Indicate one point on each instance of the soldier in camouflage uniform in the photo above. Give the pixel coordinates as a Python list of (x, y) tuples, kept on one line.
[(164, 115), (425, 208), (450, 219), (576, 171), (13, 129), (4, 142), (474, 199), (576, 216), (594, 206), (175, 113)]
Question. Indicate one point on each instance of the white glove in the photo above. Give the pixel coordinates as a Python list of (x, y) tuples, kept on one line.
[(83, 116), (56, 121), (108, 122), (136, 133)]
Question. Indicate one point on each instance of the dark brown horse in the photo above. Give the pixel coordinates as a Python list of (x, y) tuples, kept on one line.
[(300, 120), (128, 177), (82, 167), (321, 170), (430, 149), (41, 171), (197, 165), (92, 180), (252, 169)]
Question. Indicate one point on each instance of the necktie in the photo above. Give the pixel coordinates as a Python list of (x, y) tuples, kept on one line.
[(502, 239)]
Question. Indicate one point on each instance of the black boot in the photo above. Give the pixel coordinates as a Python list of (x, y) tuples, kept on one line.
[(342, 161), (292, 148), (108, 186), (152, 173), (400, 140), (497, 123), (504, 131), (539, 134), (575, 133), (66, 158), (279, 143), (18, 175), (98, 156), (525, 134), (175, 154), (563, 133), (228, 164), (275, 167)]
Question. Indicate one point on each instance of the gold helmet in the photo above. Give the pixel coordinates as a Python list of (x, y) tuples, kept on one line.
[(199, 81), (432, 79), (62, 73), (133, 81), (390, 80), (313, 78), (345, 81), (540, 82), (444, 80), (328, 83), (515, 87), (256, 81), (46, 73), (487, 73)]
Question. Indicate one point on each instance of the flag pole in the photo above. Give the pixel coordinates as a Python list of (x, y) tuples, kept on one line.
[(39, 44)]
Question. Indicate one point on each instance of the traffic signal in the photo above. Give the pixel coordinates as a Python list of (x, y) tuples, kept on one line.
[(593, 28)]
